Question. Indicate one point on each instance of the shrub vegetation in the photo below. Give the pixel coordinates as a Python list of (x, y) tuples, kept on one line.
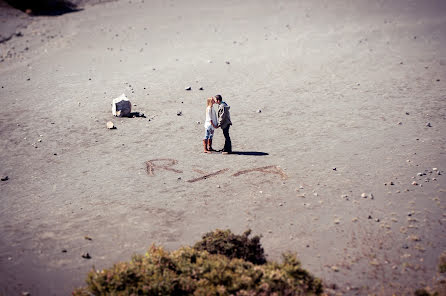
[(225, 269)]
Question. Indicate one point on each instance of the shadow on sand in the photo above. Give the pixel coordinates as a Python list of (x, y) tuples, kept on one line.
[(45, 7), (249, 153)]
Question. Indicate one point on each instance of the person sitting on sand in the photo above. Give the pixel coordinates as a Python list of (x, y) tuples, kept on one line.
[(209, 125), (224, 121)]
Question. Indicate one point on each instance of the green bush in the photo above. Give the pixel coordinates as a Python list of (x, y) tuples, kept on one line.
[(224, 242), (193, 271)]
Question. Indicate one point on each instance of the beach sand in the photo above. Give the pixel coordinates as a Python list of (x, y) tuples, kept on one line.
[(352, 97)]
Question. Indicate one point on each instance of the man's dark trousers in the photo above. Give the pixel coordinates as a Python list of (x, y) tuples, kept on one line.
[(228, 144)]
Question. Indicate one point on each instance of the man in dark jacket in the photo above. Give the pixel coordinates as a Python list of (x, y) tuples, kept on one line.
[(224, 121)]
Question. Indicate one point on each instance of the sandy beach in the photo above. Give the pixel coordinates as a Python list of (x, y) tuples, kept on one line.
[(339, 124)]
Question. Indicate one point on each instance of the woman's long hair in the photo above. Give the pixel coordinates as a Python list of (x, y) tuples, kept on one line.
[(209, 102)]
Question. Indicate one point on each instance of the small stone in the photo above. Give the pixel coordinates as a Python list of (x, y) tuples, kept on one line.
[(188, 88), (88, 238), (405, 246), (198, 122), (39, 140), (259, 111), (110, 125), (26, 294), (428, 124), (414, 183), (407, 113), (420, 174), (179, 113), (64, 250), (210, 61), (86, 256), (5, 178), (370, 217), (280, 204), (334, 169), (434, 169), (227, 62), (377, 220), (391, 183), (336, 221), (201, 88), (335, 268), (218, 186), (400, 123), (364, 195)]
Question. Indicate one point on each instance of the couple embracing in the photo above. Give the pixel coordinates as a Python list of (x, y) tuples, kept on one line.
[(212, 122)]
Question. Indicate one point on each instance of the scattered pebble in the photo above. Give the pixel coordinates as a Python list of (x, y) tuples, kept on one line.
[(335, 268), (434, 169), (188, 88), (336, 221), (26, 294), (407, 113), (414, 238), (64, 250), (414, 183), (179, 113), (400, 123), (259, 111), (364, 195), (110, 125), (370, 217), (377, 220), (201, 88), (227, 62), (88, 238), (5, 178), (218, 186), (86, 256), (428, 124)]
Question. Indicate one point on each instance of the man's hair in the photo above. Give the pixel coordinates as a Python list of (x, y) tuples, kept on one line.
[(218, 98)]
